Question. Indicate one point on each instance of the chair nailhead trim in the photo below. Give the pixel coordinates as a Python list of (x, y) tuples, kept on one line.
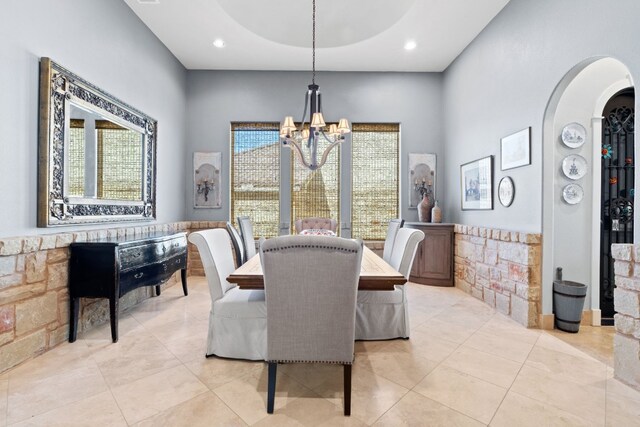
[(335, 248), (310, 361)]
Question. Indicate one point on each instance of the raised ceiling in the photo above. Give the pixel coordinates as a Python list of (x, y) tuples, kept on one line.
[(352, 35)]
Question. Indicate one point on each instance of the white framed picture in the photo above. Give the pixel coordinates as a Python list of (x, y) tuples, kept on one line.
[(422, 170), (206, 180), (476, 184), (515, 150)]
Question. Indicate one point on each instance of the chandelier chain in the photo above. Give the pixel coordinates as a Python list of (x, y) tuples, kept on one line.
[(313, 41)]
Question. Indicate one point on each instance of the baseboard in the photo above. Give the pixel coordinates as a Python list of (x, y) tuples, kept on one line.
[(546, 321)]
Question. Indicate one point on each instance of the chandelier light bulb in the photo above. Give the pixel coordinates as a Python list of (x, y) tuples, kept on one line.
[(219, 43), (410, 45)]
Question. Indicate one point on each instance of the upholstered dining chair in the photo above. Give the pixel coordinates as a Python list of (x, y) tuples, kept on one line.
[(310, 308), (238, 246), (238, 318), (316, 224), (384, 315), (246, 231), (392, 230)]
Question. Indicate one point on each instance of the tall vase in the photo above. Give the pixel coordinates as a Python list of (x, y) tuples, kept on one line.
[(436, 213), (424, 208)]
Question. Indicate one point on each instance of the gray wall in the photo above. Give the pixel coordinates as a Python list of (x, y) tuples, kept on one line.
[(104, 42), (503, 81), (216, 98)]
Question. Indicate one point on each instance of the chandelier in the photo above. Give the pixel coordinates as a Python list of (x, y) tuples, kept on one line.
[(296, 137)]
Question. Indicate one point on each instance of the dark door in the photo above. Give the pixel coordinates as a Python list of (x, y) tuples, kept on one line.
[(618, 188)]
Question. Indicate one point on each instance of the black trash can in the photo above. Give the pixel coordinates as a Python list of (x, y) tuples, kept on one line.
[(568, 301)]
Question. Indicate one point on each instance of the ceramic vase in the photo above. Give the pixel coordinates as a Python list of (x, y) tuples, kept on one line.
[(424, 208), (436, 213)]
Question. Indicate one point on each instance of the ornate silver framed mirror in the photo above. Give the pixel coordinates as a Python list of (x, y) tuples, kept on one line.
[(97, 155)]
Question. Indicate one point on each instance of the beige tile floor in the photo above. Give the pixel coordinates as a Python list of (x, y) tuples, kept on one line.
[(465, 365)]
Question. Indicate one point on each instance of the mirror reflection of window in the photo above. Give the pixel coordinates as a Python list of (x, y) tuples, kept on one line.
[(75, 160), (119, 162)]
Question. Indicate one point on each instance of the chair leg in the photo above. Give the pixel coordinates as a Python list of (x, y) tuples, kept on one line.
[(347, 390), (271, 389)]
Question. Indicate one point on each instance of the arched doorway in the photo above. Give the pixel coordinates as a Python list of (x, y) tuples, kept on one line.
[(572, 232), (617, 166)]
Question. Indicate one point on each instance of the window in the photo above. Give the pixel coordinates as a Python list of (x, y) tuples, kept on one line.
[(374, 175), (119, 162), (316, 193), (373, 171), (75, 159), (255, 175)]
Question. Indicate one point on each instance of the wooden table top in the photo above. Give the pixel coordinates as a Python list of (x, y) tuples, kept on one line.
[(375, 274)]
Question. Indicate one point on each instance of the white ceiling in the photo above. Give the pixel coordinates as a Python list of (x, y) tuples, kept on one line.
[(352, 35)]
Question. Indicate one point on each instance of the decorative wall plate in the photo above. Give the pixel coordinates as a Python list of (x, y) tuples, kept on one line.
[(572, 194), (574, 166), (506, 191), (573, 135)]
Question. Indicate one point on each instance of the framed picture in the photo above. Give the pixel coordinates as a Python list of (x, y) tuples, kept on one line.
[(515, 150), (506, 191), (476, 189), (422, 173), (206, 180)]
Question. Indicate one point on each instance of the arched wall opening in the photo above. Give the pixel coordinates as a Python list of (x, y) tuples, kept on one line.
[(571, 232)]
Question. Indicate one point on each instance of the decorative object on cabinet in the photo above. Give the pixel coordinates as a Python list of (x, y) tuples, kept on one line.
[(206, 180), (436, 213), (425, 206), (515, 150), (110, 268), (476, 179), (572, 194), (79, 121), (433, 263), (422, 174), (574, 166), (506, 191), (573, 135)]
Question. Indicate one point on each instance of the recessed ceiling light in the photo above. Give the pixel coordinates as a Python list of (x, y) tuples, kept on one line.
[(219, 43), (410, 45), (149, 1)]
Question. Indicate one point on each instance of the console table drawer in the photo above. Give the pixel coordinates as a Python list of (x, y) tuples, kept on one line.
[(134, 256)]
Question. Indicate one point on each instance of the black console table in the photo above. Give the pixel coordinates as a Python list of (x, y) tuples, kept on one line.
[(109, 268)]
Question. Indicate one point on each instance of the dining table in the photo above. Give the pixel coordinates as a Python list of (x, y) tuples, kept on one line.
[(375, 274)]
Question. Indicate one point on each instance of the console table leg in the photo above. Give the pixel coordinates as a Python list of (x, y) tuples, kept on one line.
[(158, 290), (183, 276), (74, 307), (113, 311)]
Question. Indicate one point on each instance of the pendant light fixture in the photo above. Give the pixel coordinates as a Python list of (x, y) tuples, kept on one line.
[(297, 137)]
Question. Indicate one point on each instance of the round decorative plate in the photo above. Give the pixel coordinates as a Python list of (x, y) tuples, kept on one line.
[(573, 135), (572, 194), (506, 191), (574, 166)]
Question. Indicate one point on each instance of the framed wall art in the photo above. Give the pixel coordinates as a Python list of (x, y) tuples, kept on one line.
[(515, 150), (206, 180), (476, 184), (422, 173), (506, 191)]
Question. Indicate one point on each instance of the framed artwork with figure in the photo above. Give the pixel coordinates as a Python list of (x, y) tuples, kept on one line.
[(476, 184), (422, 173), (206, 180)]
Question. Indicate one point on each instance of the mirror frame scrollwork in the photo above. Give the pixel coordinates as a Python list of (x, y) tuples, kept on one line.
[(58, 89)]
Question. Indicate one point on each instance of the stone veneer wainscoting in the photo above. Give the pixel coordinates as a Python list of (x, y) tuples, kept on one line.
[(34, 296), (502, 268), (626, 299)]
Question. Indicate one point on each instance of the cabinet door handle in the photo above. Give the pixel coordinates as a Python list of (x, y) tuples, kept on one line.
[(137, 254), (164, 266), (178, 261), (138, 275)]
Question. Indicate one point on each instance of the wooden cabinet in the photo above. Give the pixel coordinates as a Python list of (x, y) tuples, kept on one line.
[(433, 264), (110, 268)]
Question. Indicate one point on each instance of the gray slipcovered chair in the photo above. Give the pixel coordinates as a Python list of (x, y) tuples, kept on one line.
[(310, 308), (392, 230), (249, 242), (238, 246), (382, 315), (238, 318), (316, 224)]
